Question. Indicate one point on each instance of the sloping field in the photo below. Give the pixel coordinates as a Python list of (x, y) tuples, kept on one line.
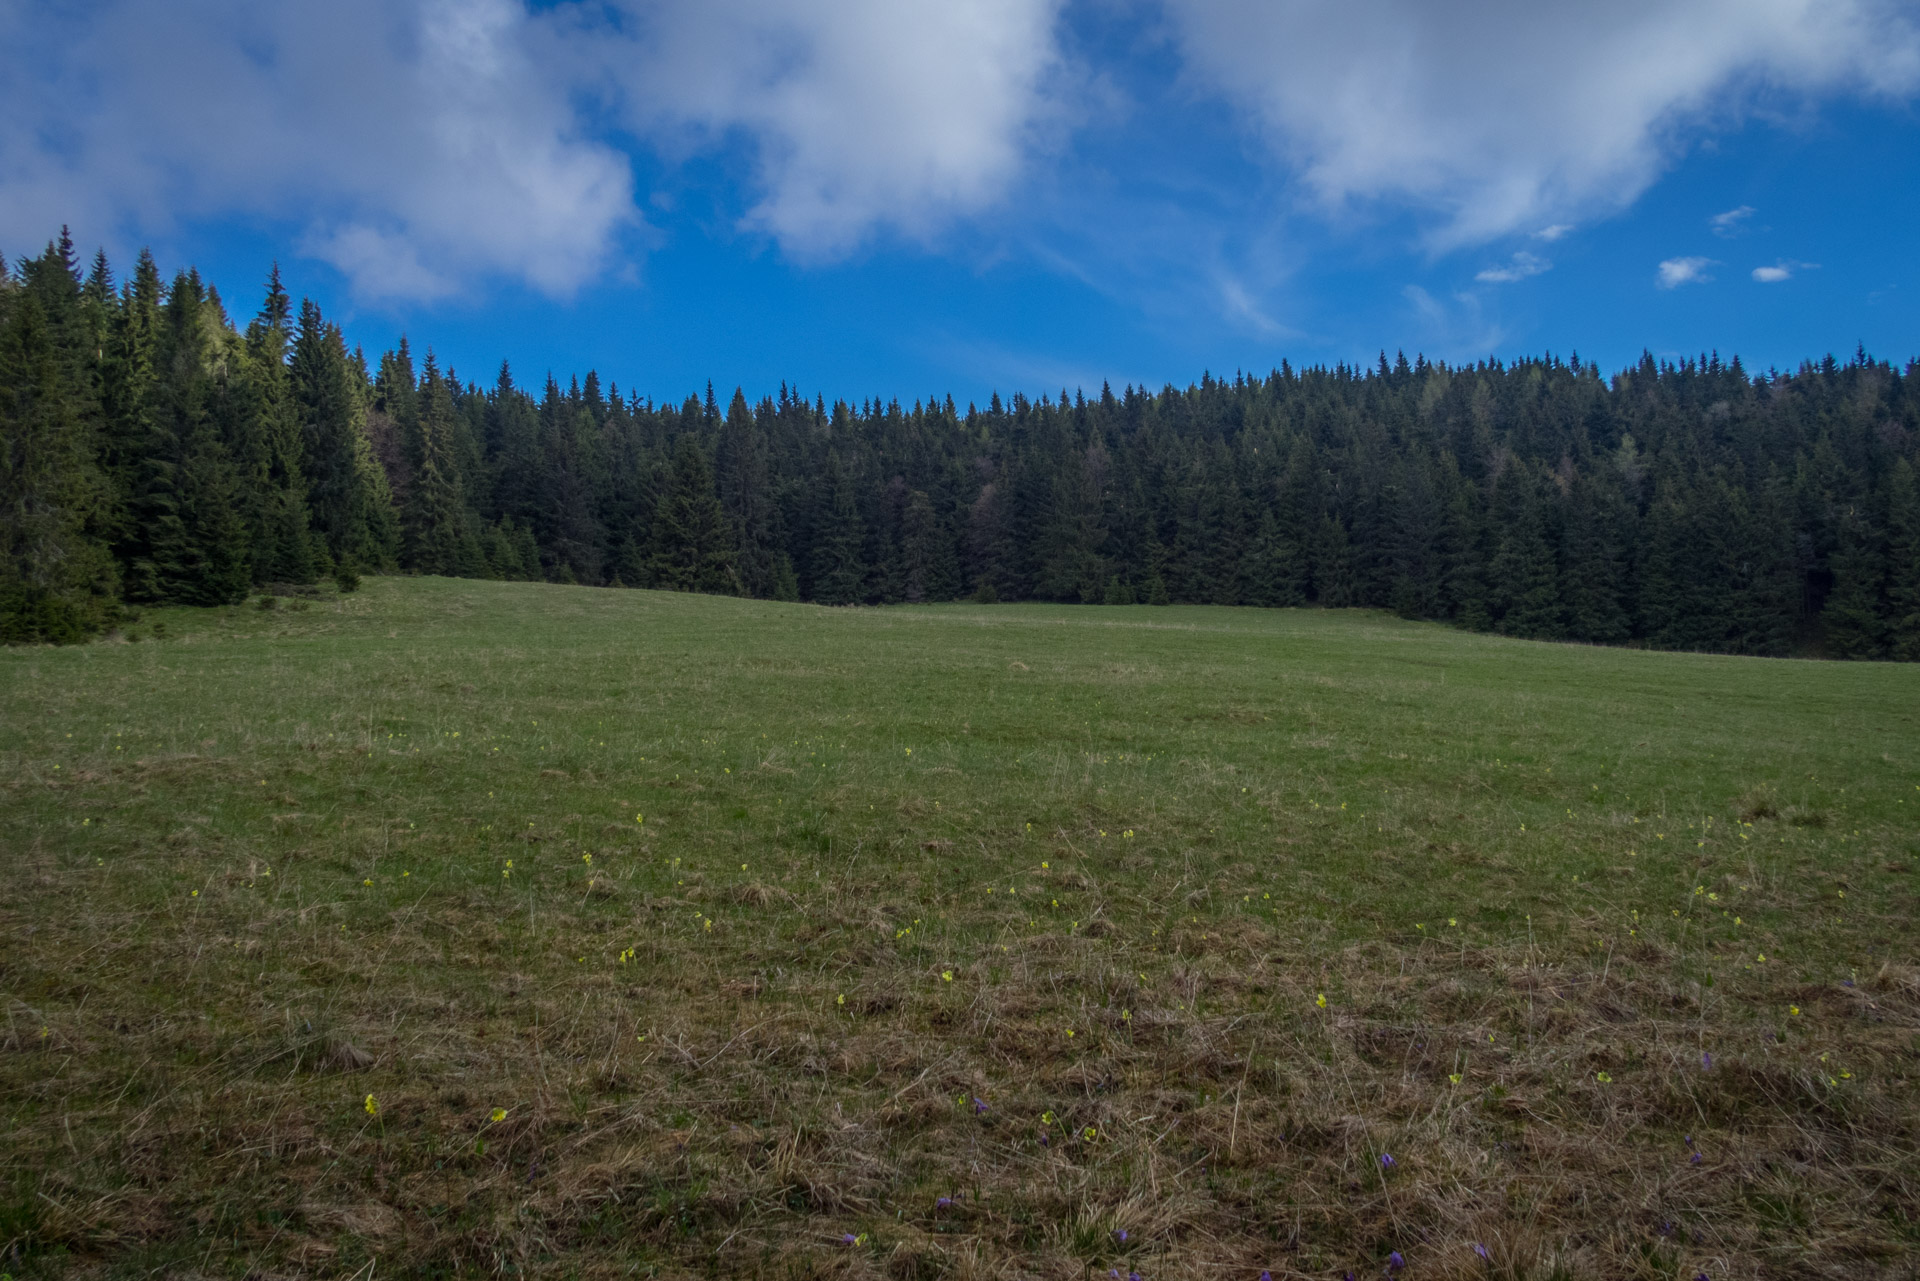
[(471, 928)]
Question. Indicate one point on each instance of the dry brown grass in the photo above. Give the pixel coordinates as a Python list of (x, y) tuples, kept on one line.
[(1212, 1111)]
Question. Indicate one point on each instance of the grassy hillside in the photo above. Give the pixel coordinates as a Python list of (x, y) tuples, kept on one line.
[(456, 926)]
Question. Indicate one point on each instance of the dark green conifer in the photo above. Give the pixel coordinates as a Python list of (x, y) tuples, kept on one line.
[(262, 432), (1524, 577), (1332, 565), (57, 580), (839, 571), (745, 487), (931, 571), (1855, 617), (693, 546), (438, 532), (349, 502), (190, 542)]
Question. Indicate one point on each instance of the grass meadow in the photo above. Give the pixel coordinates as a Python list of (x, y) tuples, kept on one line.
[(466, 928)]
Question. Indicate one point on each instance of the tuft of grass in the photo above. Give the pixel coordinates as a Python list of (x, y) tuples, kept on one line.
[(447, 927)]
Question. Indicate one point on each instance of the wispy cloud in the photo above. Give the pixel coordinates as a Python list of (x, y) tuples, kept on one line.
[(1553, 233), (1732, 222), (1239, 305), (1458, 332), (1782, 270), (1675, 272), (1522, 266)]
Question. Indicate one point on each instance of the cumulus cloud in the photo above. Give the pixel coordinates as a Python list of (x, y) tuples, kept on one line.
[(1522, 266), (421, 141), (1498, 115), (859, 113), (1675, 272), (417, 142), (421, 144)]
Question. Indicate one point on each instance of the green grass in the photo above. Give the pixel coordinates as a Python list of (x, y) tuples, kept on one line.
[(388, 845)]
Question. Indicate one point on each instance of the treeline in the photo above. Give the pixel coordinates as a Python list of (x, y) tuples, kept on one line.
[(156, 453)]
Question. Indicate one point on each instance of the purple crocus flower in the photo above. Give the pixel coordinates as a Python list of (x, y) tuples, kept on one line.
[(1706, 1061), (1696, 1159), (1133, 1276), (849, 1238), (1395, 1262), (1386, 1161), (1481, 1250), (943, 1203), (1121, 1236), (979, 1106), (1266, 1276)]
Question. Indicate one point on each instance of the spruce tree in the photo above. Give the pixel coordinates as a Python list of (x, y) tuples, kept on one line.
[(1332, 565), (745, 487), (190, 542), (128, 393), (1903, 563), (1272, 574), (1594, 582), (570, 530), (263, 434), (1467, 600), (438, 531), (692, 545), (57, 580), (349, 502), (839, 572), (1526, 589), (1664, 570), (1855, 618), (931, 572), (1413, 523)]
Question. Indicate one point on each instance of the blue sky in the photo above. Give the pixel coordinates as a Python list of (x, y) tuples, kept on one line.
[(899, 197)]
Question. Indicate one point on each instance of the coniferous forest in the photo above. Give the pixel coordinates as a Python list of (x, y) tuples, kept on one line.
[(157, 451)]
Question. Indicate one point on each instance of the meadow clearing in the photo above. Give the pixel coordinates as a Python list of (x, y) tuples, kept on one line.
[(457, 927)]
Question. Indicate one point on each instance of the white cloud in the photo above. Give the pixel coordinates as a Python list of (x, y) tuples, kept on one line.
[(1553, 233), (419, 143), (1732, 222), (859, 113), (1498, 115), (1782, 270), (1675, 272), (1521, 267)]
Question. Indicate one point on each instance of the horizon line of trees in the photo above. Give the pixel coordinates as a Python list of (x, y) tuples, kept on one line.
[(152, 452)]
